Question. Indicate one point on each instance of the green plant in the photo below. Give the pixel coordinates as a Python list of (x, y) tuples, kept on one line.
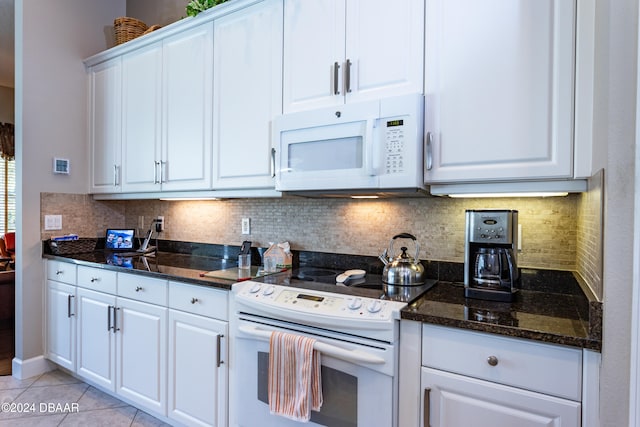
[(194, 7)]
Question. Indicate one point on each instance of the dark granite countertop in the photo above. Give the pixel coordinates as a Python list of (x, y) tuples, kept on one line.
[(171, 266), (550, 306), (561, 316)]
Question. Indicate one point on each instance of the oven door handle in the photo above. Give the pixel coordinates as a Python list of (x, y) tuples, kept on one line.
[(354, 356)]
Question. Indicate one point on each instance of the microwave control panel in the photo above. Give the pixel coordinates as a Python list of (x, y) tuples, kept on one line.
[(394, 146)]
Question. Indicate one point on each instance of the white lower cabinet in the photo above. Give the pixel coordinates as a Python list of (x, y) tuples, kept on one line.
[(96, 340), (61, 324), (159, 345), (142, 353), (455, 400), (472, 378), (198, 372), (60, 329)]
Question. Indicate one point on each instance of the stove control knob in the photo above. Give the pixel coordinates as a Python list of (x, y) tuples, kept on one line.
[(355, 304), (374, 307), (255, 288), (268, 291)]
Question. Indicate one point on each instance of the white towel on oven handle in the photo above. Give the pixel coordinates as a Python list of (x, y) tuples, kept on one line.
[(295, 385)]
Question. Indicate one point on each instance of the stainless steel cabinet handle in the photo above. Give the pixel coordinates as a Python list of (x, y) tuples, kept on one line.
[(115, 319), (492, 360), (347, 77), (69, 313), (115, 175), (109, 307), (218, 350), (139, 288), (273, 163), (163, 167), (428, 149), (95, 279), (59, 272), (155, 172), (336, 70), (194, 300), (427, 406)]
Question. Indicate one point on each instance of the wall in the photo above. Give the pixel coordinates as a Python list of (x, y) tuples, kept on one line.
[(161, 12), (614, 126), (7, 111), (52, 39)]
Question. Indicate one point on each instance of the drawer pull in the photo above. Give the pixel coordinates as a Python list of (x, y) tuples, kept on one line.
[(138, 288), (194, 300), (95, 279), (492, 360), (59, 272)]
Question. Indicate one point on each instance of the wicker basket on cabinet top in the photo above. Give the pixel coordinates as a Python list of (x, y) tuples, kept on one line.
[(128, 29)]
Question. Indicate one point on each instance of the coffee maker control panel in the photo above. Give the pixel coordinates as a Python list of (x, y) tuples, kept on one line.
[(486, 227)]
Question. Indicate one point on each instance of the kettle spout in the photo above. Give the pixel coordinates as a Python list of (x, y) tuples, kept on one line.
[(384, 258)]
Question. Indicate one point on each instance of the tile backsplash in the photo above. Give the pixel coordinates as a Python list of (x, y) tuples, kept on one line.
[(363, 227)]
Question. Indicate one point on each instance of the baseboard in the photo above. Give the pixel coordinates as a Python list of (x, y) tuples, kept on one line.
[(23, 369)]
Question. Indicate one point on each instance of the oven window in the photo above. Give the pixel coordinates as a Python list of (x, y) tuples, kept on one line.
[(328, 154), (339, 394)]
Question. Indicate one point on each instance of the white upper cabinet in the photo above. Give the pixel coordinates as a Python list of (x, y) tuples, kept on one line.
[(499, 86), (186, 150), (247, 94), (167, 113), (141, 118), (105, 136), (351, 50)]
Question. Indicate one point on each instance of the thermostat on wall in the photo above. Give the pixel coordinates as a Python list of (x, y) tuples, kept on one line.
[(61, 165)]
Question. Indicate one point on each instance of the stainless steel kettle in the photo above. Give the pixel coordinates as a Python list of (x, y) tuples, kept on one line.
[(402, 269)]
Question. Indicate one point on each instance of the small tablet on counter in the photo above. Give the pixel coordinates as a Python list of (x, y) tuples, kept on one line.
[(119, 239)]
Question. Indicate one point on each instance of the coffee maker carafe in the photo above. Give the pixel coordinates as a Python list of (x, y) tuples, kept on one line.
[(491, 266)]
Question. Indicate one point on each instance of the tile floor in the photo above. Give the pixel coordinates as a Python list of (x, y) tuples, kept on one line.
[(58, 399)]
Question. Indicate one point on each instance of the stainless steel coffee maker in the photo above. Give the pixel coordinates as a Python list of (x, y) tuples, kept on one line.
[(491, 255)]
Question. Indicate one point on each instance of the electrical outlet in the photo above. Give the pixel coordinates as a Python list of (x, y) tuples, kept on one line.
[(246, 226), (160, 223)]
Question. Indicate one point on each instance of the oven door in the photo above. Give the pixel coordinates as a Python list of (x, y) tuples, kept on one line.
[(356, 392)]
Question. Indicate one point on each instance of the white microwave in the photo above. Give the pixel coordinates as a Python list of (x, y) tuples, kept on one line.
[(373, 146)]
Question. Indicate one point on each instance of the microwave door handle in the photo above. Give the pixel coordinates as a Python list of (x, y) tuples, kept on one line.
[(353, 356), (371, 147)]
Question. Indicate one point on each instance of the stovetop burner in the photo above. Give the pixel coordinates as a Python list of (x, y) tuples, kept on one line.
[(312, 274)]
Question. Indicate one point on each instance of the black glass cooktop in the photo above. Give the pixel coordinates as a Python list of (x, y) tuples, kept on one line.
[(371, 285)]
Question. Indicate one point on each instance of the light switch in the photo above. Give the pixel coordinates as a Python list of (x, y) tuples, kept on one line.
[(53, 222)]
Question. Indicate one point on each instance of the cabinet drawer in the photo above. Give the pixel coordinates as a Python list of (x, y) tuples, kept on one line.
[(546, 368), (97, 279), (61, 272), (199, 300), (142, 288)]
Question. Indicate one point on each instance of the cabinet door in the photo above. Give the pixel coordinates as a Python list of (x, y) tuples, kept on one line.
[(142, 354), (141, 111), (384, 49), (499, 89), (198, 370), (187, 77), (61, 324), (314, 52), (106, 137), (248, 66), (96, 340), (451, 400)]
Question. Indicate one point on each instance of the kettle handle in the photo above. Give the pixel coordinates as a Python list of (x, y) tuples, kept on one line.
[(406, 236)]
